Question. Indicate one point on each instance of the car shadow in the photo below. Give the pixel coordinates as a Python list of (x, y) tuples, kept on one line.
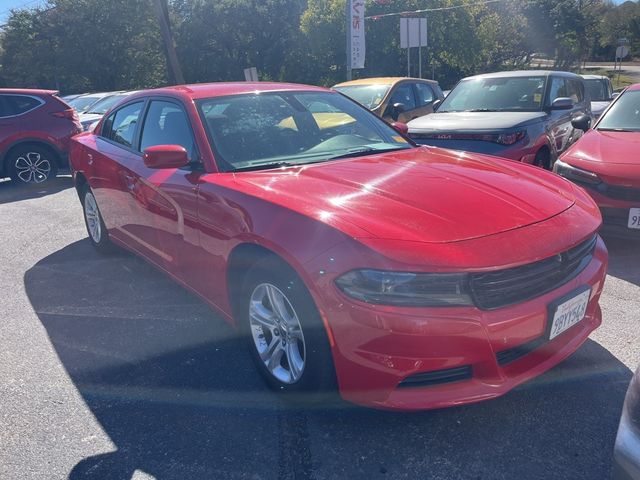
[(173, 387), (13, 192), (624, 258)]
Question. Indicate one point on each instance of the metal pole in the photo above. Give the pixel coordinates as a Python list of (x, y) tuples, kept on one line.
[(348, 24), (408, 49), (419, 48)]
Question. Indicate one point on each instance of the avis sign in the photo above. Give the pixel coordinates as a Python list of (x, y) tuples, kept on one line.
[(356, 27)]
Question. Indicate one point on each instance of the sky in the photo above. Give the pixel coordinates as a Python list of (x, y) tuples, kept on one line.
[(7, 5)]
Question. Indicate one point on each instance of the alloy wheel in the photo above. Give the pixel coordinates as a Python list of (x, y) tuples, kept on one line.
[(92, 215), (277, 333), (32, 167)]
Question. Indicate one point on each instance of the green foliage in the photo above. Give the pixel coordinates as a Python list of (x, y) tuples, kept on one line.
[(80, 45)]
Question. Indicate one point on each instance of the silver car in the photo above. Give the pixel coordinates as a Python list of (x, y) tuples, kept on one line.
[(626, 453)]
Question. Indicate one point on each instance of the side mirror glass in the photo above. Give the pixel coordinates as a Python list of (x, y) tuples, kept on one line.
[(581, 122), (165, 156)]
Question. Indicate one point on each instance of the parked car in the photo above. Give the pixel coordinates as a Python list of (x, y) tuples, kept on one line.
[(394, 98), (416, 278), (35, 128), (98, 109), (605, 162), (600, 92), (626, 453), (84, 102), (68, 98), (523, 115)]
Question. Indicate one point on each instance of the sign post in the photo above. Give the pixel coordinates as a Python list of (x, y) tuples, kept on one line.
[(356, 47), (413, 33)]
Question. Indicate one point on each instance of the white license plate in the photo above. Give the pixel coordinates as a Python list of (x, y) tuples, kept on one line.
[(568, 313), (634, 218)]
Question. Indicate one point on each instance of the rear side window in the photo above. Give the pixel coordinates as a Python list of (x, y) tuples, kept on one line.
[(425, 94), (166, 124), (121, 124), (17, 104)]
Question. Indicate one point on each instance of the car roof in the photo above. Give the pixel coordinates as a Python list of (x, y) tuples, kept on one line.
[(595, 77), (221, 89), (382, 81), (635, 86), (525, 73), (28, 91)]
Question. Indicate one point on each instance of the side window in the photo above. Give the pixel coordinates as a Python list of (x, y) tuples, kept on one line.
[(425, 94), (167, 124), (575, 90), (21, 104), (121, 125), (558, 89), (404, 94)]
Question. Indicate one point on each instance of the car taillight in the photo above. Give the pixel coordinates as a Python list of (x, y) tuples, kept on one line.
[(69, 113)]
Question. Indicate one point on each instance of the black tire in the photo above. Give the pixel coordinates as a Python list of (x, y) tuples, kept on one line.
[(317, 382), (32, 164), (543, 159), (101, 241)]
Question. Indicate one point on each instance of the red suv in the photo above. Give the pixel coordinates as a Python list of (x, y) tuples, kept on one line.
[(35, 128)]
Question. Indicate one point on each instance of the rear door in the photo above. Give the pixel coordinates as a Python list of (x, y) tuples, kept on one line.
[(8, 125)]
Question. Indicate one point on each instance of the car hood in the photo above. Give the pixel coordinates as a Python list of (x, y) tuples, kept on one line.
[(473, 121), (612, 155), (424, 194)]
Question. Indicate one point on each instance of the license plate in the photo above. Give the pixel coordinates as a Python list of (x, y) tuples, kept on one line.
[(569, 312), (634, 218)]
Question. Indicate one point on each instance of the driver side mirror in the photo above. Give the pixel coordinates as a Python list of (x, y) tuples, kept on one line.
[(436, 105), (395, 110), (581, 122), (562, 103), (615, 95), (165, 156), (400, 127)]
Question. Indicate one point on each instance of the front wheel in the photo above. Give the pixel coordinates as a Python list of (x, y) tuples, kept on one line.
[(286, 336)]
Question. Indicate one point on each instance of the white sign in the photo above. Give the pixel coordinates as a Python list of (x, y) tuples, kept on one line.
[(356, 25), (251, 74), (622, 51), (413, 32)]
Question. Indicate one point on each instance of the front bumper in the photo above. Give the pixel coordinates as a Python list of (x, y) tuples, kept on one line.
[(615, 214), (376, 348)]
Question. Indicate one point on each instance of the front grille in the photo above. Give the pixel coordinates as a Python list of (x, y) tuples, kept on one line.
[(511, 355), (498, 289), (437, 377), (616, 192)]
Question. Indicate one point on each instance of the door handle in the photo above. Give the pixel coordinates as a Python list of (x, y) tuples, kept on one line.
[(90, 159)]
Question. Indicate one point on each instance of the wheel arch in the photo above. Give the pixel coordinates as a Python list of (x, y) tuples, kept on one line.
[(6, 155)]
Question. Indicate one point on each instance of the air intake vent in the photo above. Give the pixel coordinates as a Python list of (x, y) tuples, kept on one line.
[(511, 355), (437, 377)]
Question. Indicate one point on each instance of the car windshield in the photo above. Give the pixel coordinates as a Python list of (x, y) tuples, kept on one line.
[(101, 106), (624, 115), (368, 95), (81, 104), (597, 90), (501, 94), (293, 128)]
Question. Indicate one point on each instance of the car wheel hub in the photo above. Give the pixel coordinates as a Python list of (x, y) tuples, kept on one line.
[(32, 167), (277, 333)]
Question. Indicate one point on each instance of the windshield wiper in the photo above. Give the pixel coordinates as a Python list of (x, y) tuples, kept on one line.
[(265, 166), (366, 151), (604, 129), (481, 110)]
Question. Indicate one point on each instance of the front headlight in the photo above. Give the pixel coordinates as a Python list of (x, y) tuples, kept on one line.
[(406, 289), (576, 174)]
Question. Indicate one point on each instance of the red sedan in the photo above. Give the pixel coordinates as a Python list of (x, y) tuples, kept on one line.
[(605, 162), (407, 277)]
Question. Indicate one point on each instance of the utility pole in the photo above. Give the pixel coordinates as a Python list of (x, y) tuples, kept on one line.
[(173, 65)]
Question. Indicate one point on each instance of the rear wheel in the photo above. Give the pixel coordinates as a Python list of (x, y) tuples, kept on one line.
[(32, 164), (285, 333), (96, 229)]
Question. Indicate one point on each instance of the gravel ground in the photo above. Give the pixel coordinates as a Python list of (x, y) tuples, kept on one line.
[(109, 370)]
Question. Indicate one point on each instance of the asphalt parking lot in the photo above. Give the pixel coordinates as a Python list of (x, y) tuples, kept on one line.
[(109, 370)]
